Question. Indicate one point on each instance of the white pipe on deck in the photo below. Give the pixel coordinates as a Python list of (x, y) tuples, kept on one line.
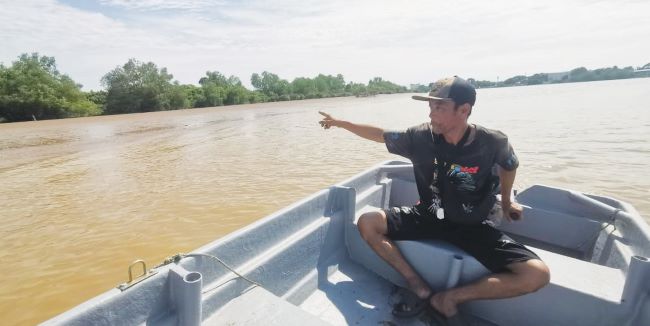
[(186, 295), (455, 267)]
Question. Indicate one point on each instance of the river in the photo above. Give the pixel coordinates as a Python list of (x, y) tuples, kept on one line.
[(82, 198)]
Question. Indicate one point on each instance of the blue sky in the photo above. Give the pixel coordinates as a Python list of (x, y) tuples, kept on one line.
[(402, 41)]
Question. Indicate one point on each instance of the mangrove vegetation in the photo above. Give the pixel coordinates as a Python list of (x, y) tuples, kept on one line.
[(33, 89)]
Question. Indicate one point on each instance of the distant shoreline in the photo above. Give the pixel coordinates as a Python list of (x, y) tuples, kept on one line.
[(262, 104), (576, 75)]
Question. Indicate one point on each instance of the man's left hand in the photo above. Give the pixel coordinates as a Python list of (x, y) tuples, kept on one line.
[(512, 211)]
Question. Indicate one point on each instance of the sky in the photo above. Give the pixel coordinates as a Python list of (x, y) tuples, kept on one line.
[(406, 42)]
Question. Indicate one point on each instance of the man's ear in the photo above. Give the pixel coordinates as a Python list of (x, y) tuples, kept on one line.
[(466, 109)]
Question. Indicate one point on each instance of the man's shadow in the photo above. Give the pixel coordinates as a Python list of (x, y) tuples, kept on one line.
[(362, 298)]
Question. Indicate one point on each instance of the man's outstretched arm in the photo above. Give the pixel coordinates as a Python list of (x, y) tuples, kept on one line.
[(365, 131)]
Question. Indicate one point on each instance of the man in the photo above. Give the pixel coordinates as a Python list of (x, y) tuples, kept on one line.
[(453, 164)]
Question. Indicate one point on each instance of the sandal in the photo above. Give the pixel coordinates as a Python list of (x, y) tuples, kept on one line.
[(440, 319), (411, 306)]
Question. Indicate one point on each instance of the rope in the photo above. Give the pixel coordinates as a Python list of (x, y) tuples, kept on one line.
[(226, 266), (612, 220), (177, 258)]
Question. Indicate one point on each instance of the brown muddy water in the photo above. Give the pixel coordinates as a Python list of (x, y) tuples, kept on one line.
[(82, 198)]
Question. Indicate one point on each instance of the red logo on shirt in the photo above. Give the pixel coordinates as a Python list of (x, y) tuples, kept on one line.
[(458, 168), (472, 170)]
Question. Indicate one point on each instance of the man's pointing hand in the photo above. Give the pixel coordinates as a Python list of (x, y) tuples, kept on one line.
[(328, 121)]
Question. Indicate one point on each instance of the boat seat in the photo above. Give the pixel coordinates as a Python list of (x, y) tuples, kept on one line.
[(261, 307), (575, 285), (457, 267), (437, 262)]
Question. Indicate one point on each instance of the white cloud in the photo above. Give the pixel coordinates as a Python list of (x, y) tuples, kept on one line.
[(160, 4), (406, 42)]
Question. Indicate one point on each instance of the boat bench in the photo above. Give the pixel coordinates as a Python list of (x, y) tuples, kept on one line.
[(445, 266)]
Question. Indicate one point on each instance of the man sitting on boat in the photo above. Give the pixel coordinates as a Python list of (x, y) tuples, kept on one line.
[(453, 164)]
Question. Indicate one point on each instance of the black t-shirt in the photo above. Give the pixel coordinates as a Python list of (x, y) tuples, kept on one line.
[(454, 181)]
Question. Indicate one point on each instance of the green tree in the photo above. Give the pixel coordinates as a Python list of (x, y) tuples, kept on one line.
[(485, 84), (580, 74), (356, 89), (271, 85), (32, 88), (257, 97), (141, 87), (419, 88), (176, 97), (214, 94), (322, 85), (276, 89), (97, 97), (237, 94), (219, 90), (379, 86), (537, 79), (304, 86), (193, 94), (234, 81), (328, 85), (337, 84), (515, 81), (215, 77)]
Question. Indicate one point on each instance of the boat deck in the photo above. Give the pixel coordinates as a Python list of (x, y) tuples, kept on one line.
[(351, 295), (355, 296)]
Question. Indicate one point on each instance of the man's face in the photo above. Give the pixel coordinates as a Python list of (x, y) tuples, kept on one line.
[(443, 116)]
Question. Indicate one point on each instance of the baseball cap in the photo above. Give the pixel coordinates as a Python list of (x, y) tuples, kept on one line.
[(452, 88)]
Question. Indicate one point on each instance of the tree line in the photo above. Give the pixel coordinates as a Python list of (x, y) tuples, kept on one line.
[(33, 89), (580, 74)]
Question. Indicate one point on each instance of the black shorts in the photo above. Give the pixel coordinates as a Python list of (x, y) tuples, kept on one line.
[(488, 245)]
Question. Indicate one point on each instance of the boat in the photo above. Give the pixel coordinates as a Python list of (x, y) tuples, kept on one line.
[(307, 265)]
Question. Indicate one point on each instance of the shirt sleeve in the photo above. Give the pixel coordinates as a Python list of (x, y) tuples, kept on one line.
[(399, 142), (506, 157)]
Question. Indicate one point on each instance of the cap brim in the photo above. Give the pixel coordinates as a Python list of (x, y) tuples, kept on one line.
[(429, 98)]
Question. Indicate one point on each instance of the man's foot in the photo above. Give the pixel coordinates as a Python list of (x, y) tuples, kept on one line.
[(414, 302), (419, 287), (444, 303), (410, 306)]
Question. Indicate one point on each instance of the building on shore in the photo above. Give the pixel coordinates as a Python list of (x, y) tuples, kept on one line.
[(557, 76), (642, 72)]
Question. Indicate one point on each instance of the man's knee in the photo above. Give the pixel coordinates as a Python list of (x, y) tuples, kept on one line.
[(371, 225), (535, 274)]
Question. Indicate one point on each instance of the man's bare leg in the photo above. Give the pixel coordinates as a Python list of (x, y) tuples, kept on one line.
[(373, 227), (524, 277)]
